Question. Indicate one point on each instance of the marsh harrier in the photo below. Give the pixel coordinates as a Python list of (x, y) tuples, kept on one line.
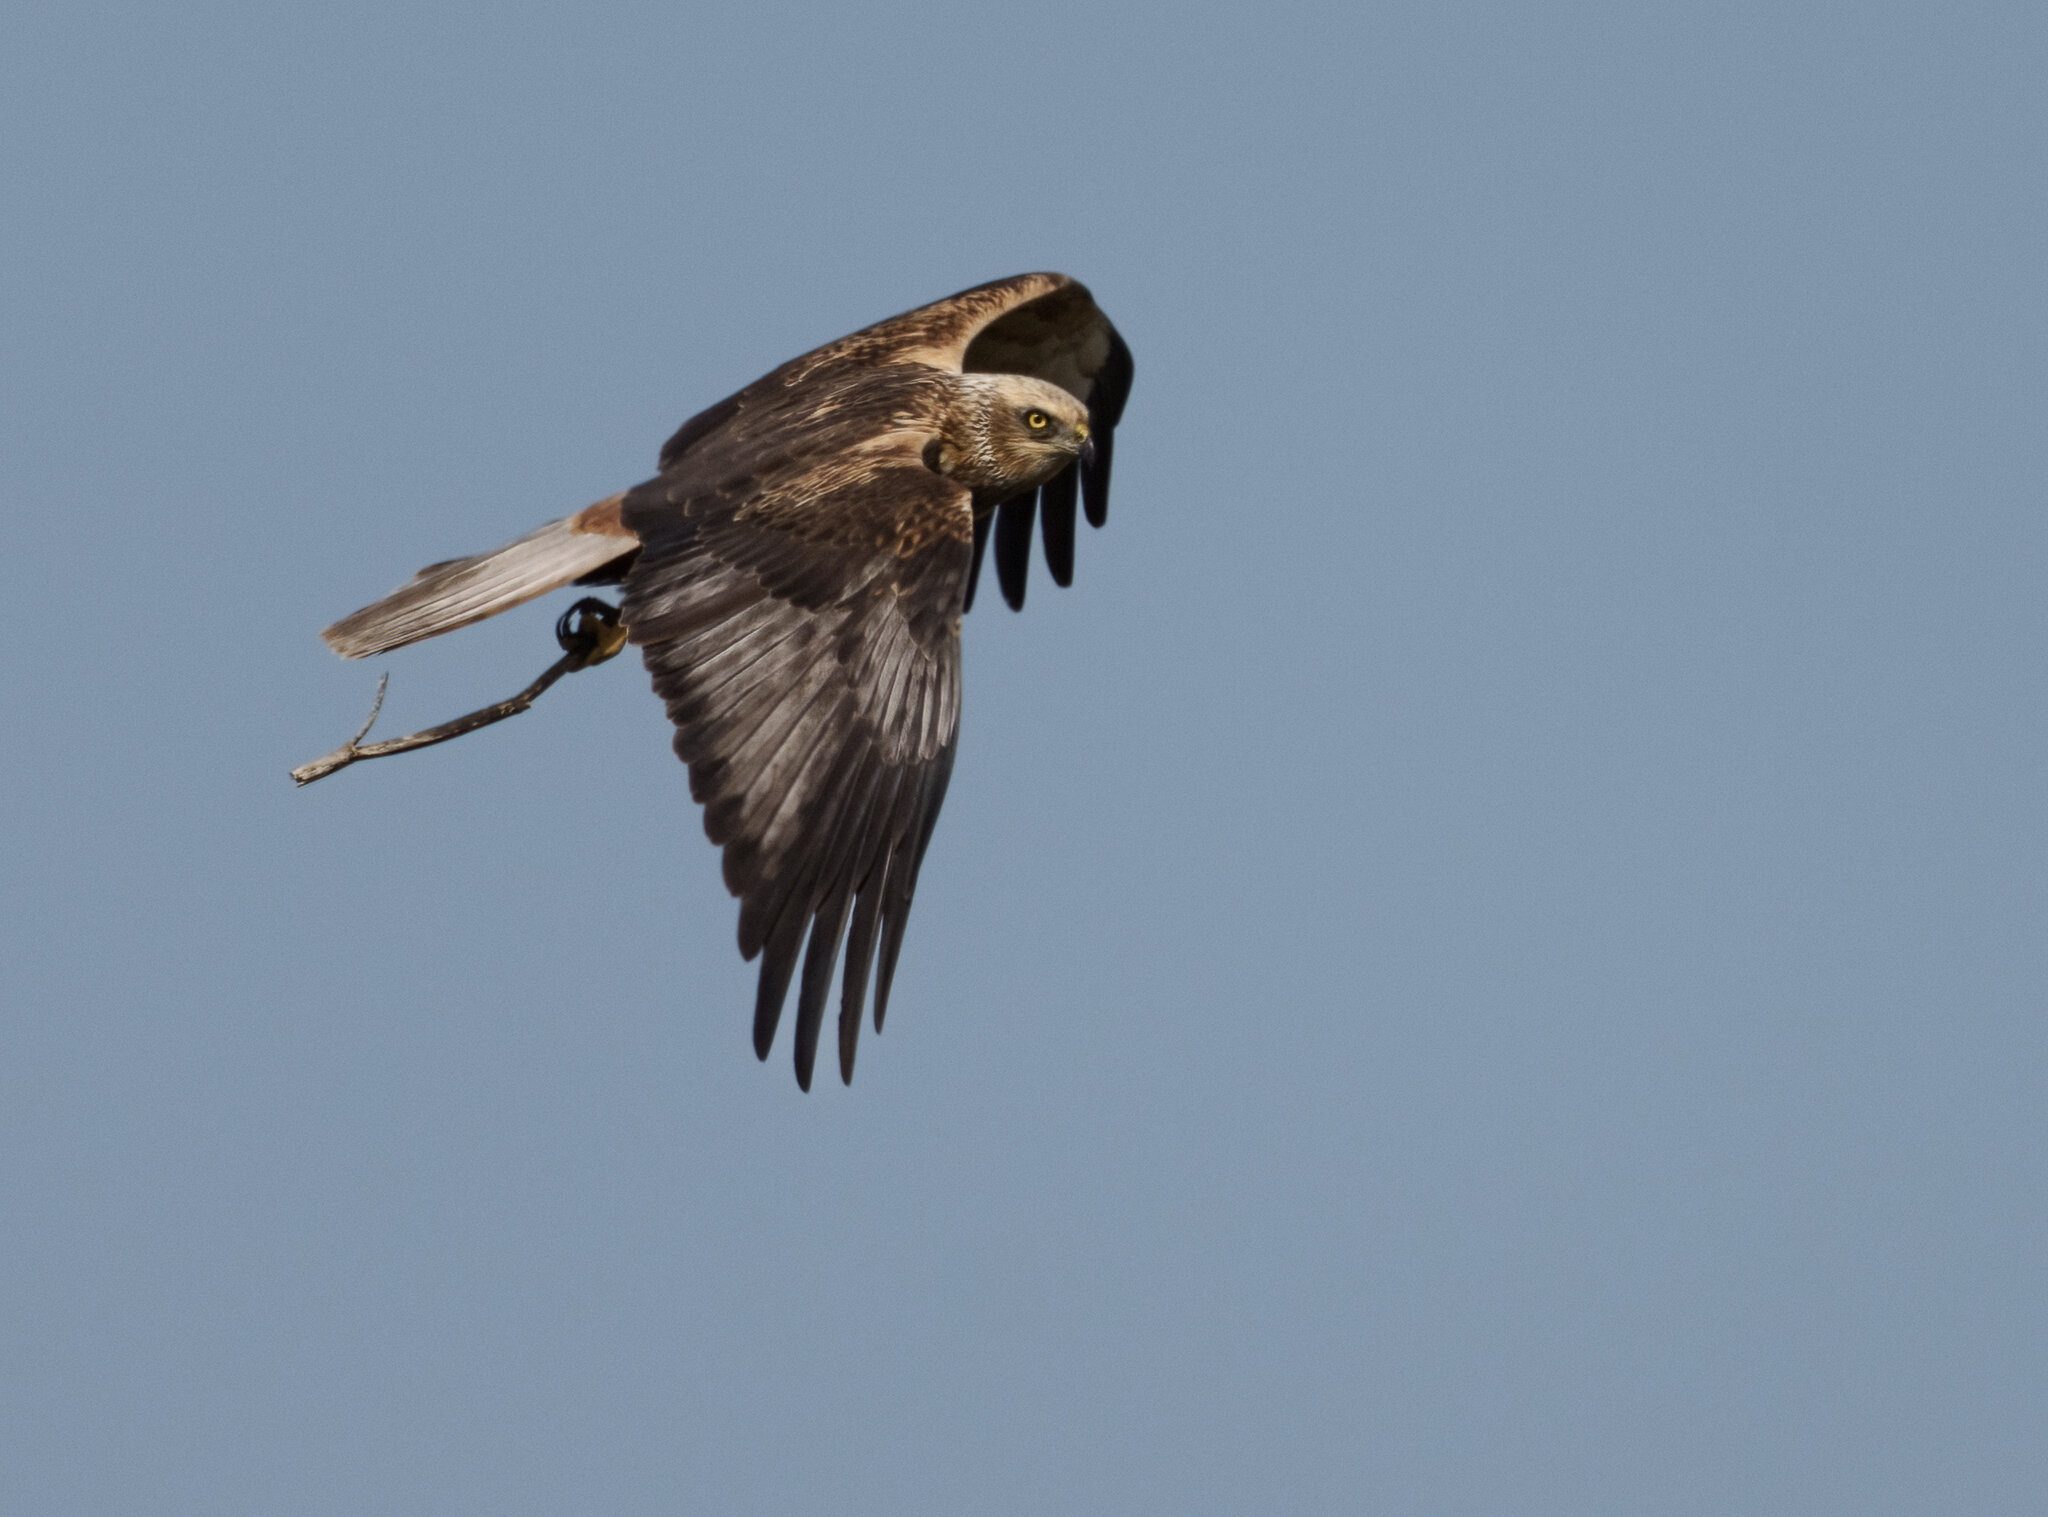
[(794, 577)]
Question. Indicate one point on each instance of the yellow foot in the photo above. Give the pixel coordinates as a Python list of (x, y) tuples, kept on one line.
[(593, 629)]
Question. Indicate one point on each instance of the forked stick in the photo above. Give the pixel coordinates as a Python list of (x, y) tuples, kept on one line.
[(589, 631)]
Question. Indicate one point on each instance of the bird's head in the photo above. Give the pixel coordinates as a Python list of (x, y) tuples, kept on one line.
[(1018, 432)]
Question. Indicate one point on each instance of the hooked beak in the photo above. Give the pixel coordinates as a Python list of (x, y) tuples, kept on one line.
[(1087, 454)]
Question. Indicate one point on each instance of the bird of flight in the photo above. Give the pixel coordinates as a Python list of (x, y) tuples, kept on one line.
[(794, 577)]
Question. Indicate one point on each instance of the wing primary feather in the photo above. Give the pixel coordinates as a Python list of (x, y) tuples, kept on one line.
[(983, 522), (1056, 505), (904, 864), (1113, 384), (866, 864), (860, 961), (1013, 546), (820, 959), (1106, 399), (778, 963), (1095, 478), (791, 901), (894, 914)]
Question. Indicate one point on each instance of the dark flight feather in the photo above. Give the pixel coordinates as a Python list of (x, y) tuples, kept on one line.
[(984, 525), (1013, 545), (1056, 521), (1095, 480)]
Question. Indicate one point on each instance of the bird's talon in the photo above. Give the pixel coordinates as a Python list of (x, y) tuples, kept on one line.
[(591, 628)]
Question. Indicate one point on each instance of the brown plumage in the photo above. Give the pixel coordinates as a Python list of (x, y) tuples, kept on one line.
[(794, 577)]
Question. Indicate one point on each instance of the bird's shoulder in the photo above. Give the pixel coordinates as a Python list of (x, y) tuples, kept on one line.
[(837, 460)]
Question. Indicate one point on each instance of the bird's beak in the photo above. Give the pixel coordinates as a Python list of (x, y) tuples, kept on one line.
[(1087, 454)]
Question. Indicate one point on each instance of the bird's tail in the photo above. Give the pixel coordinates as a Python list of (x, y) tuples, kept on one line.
[(444, 596)]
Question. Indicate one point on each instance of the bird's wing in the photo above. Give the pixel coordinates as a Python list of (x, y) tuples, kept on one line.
[(1045, 325), (797, 601)]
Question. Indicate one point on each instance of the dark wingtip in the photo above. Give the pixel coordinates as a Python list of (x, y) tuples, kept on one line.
[(1056, 523), (1013, 546), (819, 962), (860, 959), (1095, 478), (778, 964), (885, 973), (983, 522), (1105, 410), (1113, 384)]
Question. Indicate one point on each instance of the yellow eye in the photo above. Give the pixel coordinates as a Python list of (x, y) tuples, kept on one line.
[(1036, 420)]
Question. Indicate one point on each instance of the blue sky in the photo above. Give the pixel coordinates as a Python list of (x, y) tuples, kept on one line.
[(1487, 956)]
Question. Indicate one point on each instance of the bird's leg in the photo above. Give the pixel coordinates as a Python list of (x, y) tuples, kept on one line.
[(592, 629)]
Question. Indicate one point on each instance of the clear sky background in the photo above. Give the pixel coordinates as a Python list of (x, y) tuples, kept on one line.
[(1487, 957)]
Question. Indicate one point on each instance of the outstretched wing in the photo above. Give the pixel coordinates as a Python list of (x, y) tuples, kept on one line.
[(797, 600), (1044, 325)]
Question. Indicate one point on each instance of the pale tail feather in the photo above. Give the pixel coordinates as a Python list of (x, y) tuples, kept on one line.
[(442, 597)]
